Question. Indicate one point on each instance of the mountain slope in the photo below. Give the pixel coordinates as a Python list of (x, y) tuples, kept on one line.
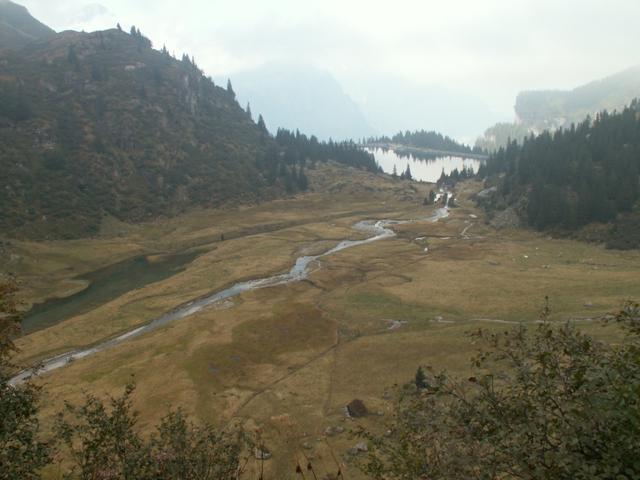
[(539, 110), (587, 173), (18, 27), (557, 108), (101, 124), (301, 97)]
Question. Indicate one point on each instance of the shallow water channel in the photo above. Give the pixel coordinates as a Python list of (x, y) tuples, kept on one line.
[(299, 271), (104, 285)]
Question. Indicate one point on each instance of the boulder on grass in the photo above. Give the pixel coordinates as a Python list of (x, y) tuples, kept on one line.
[(357, 409)]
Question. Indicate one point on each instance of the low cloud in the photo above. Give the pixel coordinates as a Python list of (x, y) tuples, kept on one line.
[(490, 49)]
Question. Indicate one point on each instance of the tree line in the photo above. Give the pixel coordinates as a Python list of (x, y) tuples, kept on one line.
[(426, 139), (585, 173), (299, 148)]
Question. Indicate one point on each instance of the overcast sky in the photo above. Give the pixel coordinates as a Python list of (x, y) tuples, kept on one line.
[(490, 49)]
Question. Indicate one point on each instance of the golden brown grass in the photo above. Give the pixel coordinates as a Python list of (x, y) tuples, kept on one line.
[(286, 360)]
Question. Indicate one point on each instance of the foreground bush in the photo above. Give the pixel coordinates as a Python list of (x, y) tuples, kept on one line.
[(551, 403), (99, 441), (22, 453), (103, 443)]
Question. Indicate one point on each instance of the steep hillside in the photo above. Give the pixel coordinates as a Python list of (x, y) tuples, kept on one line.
[(575, 176), (18, 27), (540, 110), (95, 124), (558, 108)]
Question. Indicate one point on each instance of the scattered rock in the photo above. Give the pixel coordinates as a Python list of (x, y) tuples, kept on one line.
[(493, 263), (223, 305), (357, 409), (307, 446), (358, 448), (588, 305), (331, 431), (395, 324), (262, 453), (486, 193), (440, 319), (507, 218)]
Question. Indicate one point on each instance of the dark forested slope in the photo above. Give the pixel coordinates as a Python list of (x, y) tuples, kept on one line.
[(100, 123), (589, 172)]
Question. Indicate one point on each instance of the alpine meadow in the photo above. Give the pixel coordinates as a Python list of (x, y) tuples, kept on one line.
[(273, 241)]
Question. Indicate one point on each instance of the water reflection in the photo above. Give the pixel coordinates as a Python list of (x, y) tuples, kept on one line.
[(424, 167)]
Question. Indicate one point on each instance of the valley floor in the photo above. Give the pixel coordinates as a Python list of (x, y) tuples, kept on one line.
[(286, 360)]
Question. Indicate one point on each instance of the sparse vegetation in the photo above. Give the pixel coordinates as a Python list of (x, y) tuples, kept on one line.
[(22, 451), (102, 441), (552, 403)]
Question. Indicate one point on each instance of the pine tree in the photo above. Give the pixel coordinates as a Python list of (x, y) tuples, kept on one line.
[(303, 182), (230, 89), (249, 110), (395, 172), (289, 181), (407, 173), (119, 27), (261, 125), (421, 379)]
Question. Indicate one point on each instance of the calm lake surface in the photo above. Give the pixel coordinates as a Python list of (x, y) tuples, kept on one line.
[(423, 169)]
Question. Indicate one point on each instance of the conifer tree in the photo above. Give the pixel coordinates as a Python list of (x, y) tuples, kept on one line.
[(261, 125), (407, 173), (421, 379), (303, 181), (230, 89)]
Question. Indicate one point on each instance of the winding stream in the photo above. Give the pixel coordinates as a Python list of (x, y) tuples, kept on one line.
[(299, 271)]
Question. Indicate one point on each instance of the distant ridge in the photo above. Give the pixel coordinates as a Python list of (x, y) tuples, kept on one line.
[(556, 108), (18, 28), (539, 110)]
